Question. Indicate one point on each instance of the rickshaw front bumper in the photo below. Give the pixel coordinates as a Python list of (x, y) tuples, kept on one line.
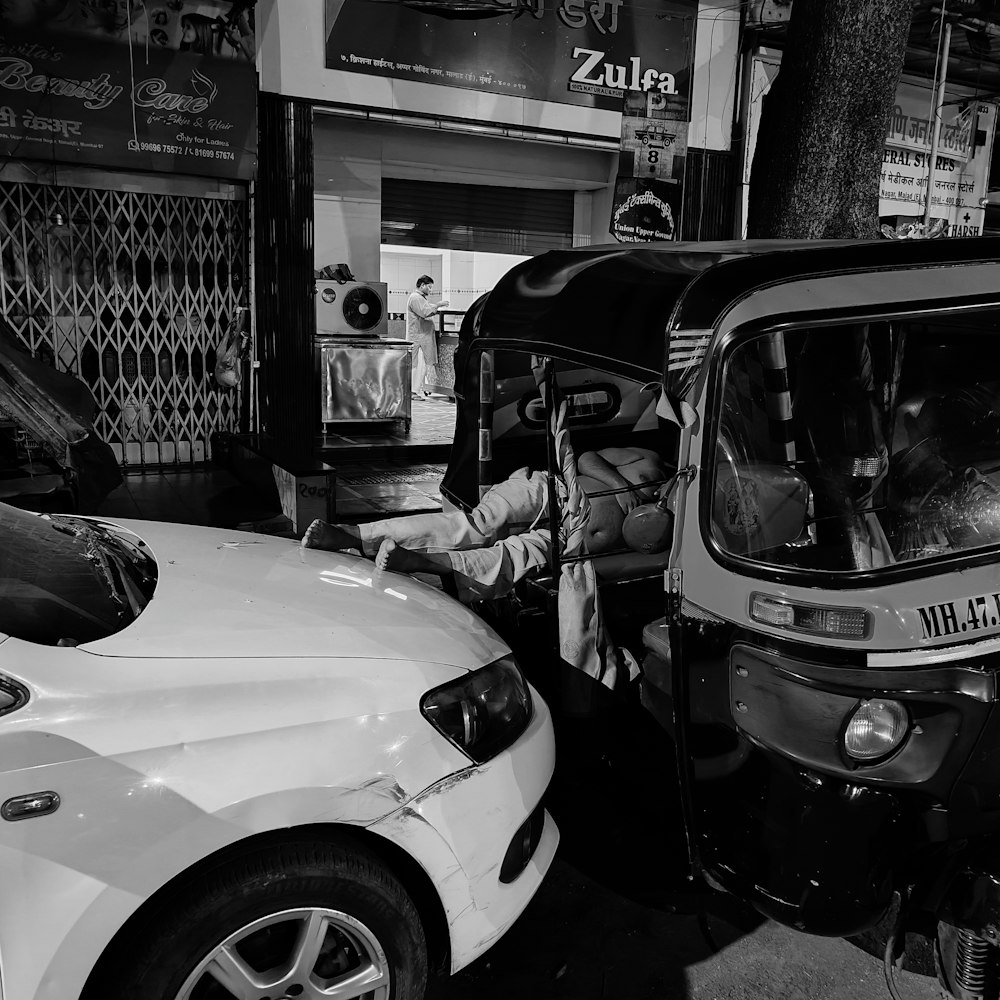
[(810, 851), (815, 839)]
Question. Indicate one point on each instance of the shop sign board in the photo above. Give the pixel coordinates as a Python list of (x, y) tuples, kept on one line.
[(652, 147), (582, 52), (164, 88), (959, 183), (911, 125), (645, 210), (649, 186), (961, 171)]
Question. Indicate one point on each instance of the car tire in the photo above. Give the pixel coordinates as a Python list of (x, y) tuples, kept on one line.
[(284, 921)]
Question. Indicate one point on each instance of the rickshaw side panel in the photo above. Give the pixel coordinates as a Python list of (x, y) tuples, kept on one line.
[(782, 818)]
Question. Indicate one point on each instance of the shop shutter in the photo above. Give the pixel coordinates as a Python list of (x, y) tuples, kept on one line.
[(475, 217), (709, 199), (133, 292)]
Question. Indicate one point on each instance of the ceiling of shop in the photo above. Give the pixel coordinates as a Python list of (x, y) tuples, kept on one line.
[(974, 56), (974, 50)]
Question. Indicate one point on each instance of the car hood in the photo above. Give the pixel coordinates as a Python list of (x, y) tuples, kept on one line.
[(224, 593)]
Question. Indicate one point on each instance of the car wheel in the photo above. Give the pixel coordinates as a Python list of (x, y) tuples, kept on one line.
[(304, 920)]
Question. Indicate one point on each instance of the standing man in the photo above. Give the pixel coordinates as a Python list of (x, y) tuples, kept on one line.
[(420, 331)]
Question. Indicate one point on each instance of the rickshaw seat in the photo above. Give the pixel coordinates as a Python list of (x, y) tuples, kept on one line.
[(611, 567), (614, 567), (538, 589)]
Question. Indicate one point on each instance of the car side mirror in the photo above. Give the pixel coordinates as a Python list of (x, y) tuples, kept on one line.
[(758, 506)]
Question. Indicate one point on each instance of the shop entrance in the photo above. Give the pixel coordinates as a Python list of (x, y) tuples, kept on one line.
[(466, 237), (133, 292)]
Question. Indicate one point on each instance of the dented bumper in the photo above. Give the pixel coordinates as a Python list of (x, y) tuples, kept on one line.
[(460, 831)]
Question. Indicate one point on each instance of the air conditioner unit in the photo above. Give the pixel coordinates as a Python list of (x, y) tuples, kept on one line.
[(765, 13), (352, 309)]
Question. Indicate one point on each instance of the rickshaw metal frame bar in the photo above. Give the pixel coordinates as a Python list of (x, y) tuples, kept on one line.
[(673, 581), (562, 352), (487, 392), (700, 306), (629, 488), (551, 460)]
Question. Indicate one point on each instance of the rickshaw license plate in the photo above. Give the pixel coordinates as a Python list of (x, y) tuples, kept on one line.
[(956, 617)]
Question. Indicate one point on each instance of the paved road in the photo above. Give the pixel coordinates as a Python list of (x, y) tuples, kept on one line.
[(581, 941), (600, 926)]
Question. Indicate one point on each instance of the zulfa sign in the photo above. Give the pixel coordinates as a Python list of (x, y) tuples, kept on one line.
[(582, 52)]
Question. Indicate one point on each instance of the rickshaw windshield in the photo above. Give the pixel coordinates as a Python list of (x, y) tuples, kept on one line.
[(859, 447)]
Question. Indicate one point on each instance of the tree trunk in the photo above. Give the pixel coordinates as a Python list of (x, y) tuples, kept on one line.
[(823, 124)]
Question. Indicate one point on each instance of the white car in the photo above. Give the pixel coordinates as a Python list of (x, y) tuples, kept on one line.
[(234, 768)]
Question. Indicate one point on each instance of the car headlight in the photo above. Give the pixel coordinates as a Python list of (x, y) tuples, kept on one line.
[(482, 713)]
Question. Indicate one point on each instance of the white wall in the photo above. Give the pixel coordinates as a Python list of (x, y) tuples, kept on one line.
[(460, 276), (352, 157), (348, 205), (600, 212), (716, 59), (400, 268), (489, 269)]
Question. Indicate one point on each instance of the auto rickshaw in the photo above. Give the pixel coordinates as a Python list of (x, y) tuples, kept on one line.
[(819, 629)]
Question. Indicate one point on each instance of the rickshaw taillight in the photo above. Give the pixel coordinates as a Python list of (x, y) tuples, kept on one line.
[(876, 728), (816, 619)]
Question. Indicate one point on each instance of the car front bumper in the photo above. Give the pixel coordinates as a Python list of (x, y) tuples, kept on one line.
[(461, 828), (72, 879)]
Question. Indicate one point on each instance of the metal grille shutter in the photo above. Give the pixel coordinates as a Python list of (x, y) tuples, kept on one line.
[(133, 294), (709, 195), (475, 217)]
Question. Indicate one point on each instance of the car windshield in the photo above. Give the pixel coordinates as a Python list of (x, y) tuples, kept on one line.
[(853, 448), (69, 580)]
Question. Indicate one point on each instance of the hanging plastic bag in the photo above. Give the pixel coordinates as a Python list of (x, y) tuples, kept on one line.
[(228, 370)]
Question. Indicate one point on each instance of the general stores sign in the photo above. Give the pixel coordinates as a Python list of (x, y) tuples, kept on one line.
[(582, 52), (165, 86), (961, 168)]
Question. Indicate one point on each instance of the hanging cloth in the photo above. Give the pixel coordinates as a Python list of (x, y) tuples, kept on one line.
[(583, 639)]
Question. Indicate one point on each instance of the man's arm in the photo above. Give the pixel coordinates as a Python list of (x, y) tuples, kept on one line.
[(596, 466), (619, 457), (419, 305), (423, 307)]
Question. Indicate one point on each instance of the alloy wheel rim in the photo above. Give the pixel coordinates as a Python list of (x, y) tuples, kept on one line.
[(306, 953)]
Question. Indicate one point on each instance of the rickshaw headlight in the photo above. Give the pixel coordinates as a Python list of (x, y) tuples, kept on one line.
[(876, 728)]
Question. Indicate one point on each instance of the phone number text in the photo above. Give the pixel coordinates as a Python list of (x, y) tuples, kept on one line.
[(165, 147)]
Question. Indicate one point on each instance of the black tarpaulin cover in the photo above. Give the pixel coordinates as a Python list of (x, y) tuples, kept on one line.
[(57, 410)]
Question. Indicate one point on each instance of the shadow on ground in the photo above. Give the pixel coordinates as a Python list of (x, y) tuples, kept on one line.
[(616, 916)]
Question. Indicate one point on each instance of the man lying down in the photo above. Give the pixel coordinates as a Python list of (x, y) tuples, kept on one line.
[(489, 548)]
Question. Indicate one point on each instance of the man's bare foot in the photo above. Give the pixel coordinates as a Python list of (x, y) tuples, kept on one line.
[(388, 554), (334, 537), (392, 556)]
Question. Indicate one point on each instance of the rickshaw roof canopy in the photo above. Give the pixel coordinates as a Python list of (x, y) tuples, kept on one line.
[(625, 303)]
